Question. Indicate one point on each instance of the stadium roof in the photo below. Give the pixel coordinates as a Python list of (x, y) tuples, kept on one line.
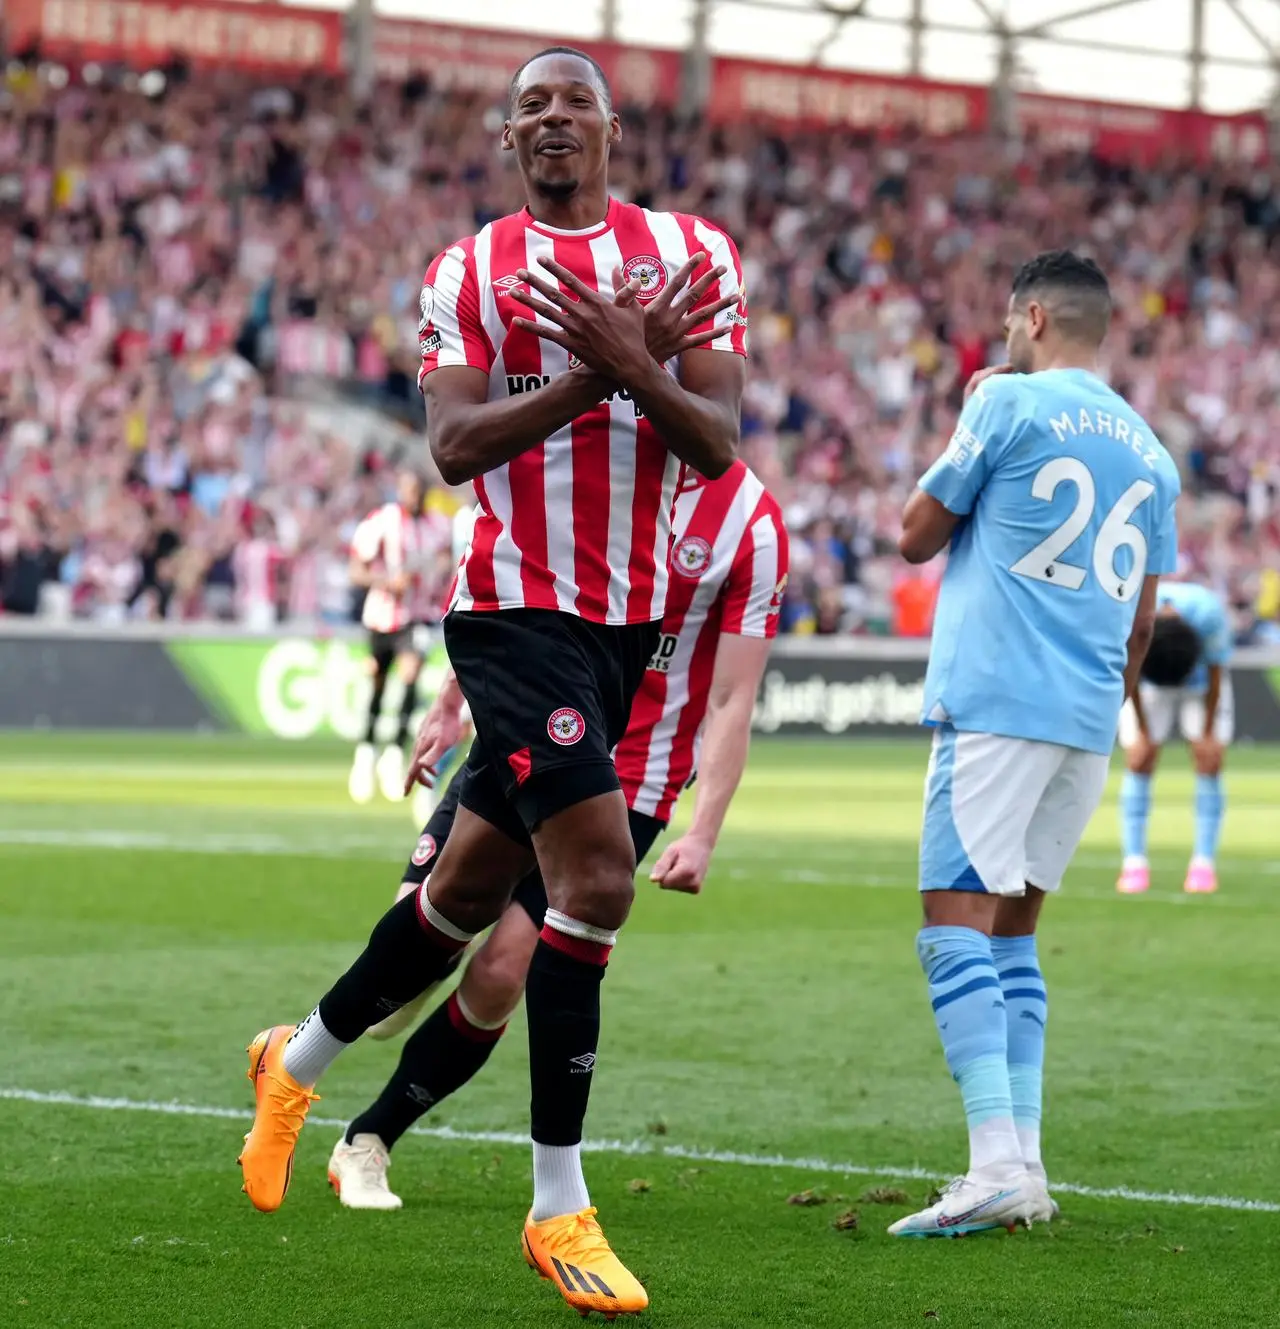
[(1138, 51)]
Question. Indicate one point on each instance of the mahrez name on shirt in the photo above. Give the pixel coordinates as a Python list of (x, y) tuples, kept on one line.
[(1109, 426)]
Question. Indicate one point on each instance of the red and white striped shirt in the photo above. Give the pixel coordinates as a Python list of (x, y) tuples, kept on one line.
[(395, 541), (580, 523), (728, 572)]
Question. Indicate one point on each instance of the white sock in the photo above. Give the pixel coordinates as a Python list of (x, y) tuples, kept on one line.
[(994, 1149), (1134, 861), (311, 1050), (558, 1184), (1029, 1140)]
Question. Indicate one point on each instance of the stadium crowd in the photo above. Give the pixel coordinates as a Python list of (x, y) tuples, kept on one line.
[(182, 273)]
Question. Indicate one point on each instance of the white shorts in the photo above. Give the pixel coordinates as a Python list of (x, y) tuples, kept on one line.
[(1001, 813), (1163, 705)]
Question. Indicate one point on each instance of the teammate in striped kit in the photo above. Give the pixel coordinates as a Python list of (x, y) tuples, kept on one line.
[(693, 711), (572, 364), (395, 554), (423, 784)]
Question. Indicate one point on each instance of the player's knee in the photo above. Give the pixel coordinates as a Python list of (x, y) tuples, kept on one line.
[(1210, 765), (601, 888), (1143, 763), (494, 981), (408, 667)]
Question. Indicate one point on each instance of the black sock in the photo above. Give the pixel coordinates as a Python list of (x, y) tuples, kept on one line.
[(402, 959), (409, 701), (562, 1007), (375, 705), (439, 1059)]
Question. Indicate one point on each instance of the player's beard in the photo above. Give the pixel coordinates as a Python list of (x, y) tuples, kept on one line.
[(1020, 355), (556, 189)]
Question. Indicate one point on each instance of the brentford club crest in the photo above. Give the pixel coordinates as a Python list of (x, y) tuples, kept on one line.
[(691, 557), (566, 726), (425, 850), (649, 272)]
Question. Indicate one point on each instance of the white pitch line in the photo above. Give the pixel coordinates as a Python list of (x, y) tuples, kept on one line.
[(379, 846), (647, 1148), (264, 845)]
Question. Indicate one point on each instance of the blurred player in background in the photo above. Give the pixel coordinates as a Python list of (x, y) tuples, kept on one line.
[(1184, 679), (1058, 505), (426, 779), (693, 712), (395, 556)]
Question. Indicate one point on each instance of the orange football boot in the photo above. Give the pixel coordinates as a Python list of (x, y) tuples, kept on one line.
[(572, 1253), (267, 1157)]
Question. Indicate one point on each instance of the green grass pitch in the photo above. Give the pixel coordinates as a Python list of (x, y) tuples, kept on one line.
[(162, 899)]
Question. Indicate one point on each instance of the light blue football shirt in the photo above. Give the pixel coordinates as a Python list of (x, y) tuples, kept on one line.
[(1068, 502), (1202, 610)]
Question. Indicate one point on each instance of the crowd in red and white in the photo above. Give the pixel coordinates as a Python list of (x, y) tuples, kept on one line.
[(180, 273)]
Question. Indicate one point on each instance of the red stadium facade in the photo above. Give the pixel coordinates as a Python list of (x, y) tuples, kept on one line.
[(273, 37)]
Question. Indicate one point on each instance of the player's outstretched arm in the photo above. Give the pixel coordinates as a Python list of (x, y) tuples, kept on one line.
[(440, 730), (470, 435), (1144, 623), (739, 666)]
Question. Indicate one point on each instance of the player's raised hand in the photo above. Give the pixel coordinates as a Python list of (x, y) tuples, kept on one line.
[(682, 866), (670, 319), (981, 376), (606, 333)]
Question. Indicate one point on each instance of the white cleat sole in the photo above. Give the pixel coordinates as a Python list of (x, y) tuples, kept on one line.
[(981, 1211), (385, 1204)]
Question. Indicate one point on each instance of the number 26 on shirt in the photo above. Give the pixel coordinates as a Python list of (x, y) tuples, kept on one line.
[(1044, 563)]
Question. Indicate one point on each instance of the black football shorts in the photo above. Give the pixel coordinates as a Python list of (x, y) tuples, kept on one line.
[(385, 647), (530, 894), (550, 697)]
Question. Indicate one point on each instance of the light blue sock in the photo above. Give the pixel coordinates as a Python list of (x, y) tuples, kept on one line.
[(1135, 808), (1210, 805), (968, 1006), (1026, 1013)]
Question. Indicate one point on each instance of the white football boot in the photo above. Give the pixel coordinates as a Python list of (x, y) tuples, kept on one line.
[(974, 1204), (361, 783), (424, 803), (358, 1173), (1045, 1209), (391, 773)]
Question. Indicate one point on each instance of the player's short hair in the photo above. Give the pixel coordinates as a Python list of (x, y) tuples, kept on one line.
[(1174, 652), (1073, 289), (601, 81)]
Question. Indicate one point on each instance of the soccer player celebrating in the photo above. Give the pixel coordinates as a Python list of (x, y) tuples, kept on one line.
[(1184, 676), (545, 342), (393, 555), (693, 710), (1058, 505)]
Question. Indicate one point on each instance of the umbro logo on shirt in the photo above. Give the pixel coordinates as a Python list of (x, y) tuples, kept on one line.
[(505, 285)]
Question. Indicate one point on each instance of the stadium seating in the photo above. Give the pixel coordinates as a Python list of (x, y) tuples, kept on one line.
[(177, 274)]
